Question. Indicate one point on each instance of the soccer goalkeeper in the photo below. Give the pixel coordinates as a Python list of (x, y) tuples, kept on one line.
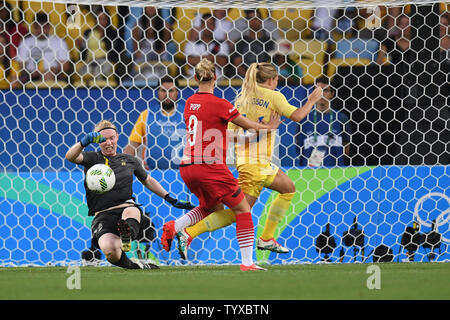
[(253, 161), (117, 218)]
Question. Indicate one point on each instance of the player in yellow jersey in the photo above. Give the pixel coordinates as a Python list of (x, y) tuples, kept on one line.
[(253, 157)]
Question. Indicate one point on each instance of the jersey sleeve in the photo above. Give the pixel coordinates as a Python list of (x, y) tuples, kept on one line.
[(89, 158), (139, 131), (282, 106), (139, 170), (229, 112)]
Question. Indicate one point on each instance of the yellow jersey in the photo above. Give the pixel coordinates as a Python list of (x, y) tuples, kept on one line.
[(259, 149)]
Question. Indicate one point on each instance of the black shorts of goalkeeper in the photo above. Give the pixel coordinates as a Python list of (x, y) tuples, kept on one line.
[(106, 222)]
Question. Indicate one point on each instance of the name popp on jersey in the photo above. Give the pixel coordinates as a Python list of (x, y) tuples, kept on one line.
[(194, 106)]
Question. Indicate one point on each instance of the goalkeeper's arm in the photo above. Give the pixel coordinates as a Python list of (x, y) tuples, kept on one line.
[(74, 153), (154, 186)]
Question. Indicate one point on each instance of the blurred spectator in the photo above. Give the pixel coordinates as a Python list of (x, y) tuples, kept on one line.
[(389, 21), (395, 48), (241, 26), (346, 21), (389, 24), (8, 67), (100, 47), (153, 48), (368, 21), (323, 22), (131, 19), (15, 32), (42, 55), (350, 42), (207, 47), (222, 28), (254, 46), (324, 135), (158, 133), (289, 71), (152, 37)]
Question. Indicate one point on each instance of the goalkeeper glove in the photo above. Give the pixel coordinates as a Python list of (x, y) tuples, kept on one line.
[(92, 137), (180, 204)]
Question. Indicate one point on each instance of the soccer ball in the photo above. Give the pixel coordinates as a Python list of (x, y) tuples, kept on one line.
[(100, 178)]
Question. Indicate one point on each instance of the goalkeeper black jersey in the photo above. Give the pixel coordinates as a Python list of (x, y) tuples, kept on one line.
[(125, 167)]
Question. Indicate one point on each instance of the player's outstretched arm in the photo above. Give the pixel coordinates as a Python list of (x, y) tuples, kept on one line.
[(154, 186), (74, 153), (245, 123), (237, 137), (301, 113)]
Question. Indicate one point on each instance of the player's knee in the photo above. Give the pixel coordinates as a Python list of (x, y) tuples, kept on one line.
[(110, 250), (111, 254), (242, 207), (289, 187), (131, 212)]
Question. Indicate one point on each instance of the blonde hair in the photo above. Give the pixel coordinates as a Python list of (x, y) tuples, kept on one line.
[(104, 124), (256, 73), (205, 70)]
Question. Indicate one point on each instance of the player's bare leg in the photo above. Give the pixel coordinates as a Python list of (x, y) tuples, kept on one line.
[(109, 244)]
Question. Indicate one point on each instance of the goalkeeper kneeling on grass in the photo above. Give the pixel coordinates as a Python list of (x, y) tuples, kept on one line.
[(118, 218), (256, 100)]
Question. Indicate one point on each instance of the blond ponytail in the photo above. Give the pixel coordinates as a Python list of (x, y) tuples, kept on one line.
[(248, 86), (256, 73)]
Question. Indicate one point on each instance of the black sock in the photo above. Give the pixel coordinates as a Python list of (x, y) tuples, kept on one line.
[(126, 263), (134, 227)]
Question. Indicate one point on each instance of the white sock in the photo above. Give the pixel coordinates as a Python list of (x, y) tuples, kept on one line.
[(247, 256), (182, 222), (190, 218)]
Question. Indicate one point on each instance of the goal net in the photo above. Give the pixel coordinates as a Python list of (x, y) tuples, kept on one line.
[(370, 163)]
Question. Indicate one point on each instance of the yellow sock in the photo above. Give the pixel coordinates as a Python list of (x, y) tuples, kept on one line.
[(214, 221), (277, 212)]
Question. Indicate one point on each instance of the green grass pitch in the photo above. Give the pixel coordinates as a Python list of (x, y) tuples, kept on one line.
[(280, 282)]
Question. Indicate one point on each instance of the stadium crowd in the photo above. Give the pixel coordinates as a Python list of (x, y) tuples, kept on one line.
[(93, 45)]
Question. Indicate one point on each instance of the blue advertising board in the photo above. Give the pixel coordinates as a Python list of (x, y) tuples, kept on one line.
[(44, 215)]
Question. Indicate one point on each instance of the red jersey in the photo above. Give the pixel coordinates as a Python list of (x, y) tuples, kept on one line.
[(206, 117)]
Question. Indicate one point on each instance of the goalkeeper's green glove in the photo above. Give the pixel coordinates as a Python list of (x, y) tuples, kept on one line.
[(95, 137), (180, 204)]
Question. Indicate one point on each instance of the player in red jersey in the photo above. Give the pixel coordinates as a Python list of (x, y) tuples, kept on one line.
[(203, 167)]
